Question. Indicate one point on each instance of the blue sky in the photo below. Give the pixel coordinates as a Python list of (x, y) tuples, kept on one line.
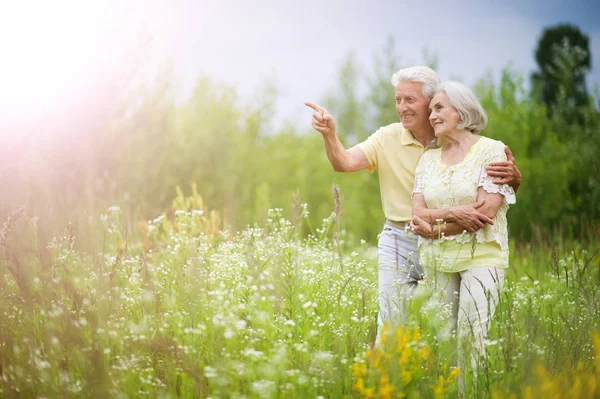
[(298, 45), (301, 44)]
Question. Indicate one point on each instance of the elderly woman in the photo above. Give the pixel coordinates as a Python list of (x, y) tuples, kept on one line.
[(467, 269)]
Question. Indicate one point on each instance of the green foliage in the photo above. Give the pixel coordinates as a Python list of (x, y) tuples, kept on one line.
[(177, 308), (563, 56), (224, 146)]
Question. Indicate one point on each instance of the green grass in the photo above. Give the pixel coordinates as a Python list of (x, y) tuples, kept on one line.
[(174, 308)]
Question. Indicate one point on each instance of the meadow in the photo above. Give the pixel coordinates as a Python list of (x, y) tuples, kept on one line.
[(253, 282), (178, 306)]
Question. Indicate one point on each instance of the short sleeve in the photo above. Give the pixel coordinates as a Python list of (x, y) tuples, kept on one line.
[(422, 166), (493, 153), (372, 147)]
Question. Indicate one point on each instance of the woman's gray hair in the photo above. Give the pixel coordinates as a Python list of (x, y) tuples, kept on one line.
[(422, 74), (472, 115)]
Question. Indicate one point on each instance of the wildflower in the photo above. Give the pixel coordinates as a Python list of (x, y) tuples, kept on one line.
[(210, 372), (9, 225), (455, 373), (385, 389), (229, 334), (264, 388), (369, 393), (405, 356), (240, 324), (359, 385), (359, 369), (42, 364)]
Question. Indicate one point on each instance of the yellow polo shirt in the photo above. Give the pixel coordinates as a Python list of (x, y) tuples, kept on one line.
[(394, 153)]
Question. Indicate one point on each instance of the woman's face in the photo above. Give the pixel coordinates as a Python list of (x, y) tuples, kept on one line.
[(443, 117)]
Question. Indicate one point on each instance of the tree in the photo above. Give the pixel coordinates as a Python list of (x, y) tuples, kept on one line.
[(563, 56)]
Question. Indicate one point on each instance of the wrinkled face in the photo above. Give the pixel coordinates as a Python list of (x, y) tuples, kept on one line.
[(411, 105), (443, 117)]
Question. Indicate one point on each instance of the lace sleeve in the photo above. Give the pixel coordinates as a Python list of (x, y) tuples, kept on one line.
[(420, 174), (487, 183)]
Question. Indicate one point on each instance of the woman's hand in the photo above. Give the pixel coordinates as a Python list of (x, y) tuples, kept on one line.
[(420, 227)]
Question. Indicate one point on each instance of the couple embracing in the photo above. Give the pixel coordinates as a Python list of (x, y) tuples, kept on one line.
[(442, 181)]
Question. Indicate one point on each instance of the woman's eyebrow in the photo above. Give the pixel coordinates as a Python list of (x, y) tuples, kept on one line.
[(435, 105)]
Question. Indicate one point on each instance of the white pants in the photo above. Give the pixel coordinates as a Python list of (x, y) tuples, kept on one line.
[(399, 273), (472, 295)]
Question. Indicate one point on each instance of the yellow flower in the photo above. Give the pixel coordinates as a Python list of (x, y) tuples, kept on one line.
[(359, 369), (385, 389), (455, 372), (528, 393), (403, 338), (406, 377), (405, 356), (359, 385), (376, 358), (369, 393), (438, 390), (416, 335)]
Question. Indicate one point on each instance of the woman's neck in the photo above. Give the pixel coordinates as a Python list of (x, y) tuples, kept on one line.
[(460, 139), (457, 145)]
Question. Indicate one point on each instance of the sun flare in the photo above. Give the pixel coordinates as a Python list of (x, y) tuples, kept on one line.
[(50, 51)]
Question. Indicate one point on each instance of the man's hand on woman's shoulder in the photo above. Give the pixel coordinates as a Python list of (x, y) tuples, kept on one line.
[(505, 172)]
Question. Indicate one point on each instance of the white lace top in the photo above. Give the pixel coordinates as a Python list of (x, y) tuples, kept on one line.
[(446, 186)]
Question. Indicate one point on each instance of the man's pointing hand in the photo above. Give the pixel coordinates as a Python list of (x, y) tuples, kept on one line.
[(322, 120)]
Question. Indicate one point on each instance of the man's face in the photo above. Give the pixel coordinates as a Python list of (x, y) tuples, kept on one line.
[(412, 107)]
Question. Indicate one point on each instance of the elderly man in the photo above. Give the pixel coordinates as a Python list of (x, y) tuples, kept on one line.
[(394, 151)]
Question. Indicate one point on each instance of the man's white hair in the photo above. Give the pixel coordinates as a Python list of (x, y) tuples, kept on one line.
[(422, 74), (472, 115)]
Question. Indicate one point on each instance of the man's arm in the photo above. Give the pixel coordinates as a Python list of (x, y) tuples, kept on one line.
[(505, 172), (342, 160)]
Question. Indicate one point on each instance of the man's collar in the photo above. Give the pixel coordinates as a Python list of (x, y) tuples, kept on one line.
[(434, 143), (407, 138)]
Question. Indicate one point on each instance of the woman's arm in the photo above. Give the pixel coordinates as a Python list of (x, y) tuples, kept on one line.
[(419, 226), (448, 221), (467, 216), (434, 228), (492, 202)]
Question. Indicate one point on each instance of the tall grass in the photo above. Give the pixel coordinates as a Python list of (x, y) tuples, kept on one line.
[(178, 307)]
